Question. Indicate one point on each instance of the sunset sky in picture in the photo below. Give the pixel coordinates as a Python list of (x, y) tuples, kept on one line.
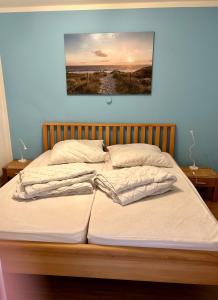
[(132, 48)]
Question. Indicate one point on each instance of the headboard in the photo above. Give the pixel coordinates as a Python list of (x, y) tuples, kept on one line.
[(162, 135)]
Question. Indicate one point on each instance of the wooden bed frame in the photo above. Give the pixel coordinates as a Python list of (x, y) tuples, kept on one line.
[(110, 262)]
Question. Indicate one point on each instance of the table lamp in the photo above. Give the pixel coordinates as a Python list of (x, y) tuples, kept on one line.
[(22, 147), (193, 166)]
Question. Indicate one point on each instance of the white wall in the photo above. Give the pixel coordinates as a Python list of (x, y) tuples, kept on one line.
[(5, 139)]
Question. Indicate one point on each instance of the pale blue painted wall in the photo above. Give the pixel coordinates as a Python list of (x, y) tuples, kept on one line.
[(185, 81)]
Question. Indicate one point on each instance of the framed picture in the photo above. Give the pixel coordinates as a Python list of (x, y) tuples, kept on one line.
[(109, 63)]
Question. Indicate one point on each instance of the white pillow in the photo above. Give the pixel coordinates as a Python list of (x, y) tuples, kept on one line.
[(131, 155), (73, 151), (136, 146)]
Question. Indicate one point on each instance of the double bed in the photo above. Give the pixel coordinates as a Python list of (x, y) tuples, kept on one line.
[(167, 238)]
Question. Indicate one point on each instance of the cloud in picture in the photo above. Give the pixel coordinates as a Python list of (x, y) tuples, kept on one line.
[(100, 53)]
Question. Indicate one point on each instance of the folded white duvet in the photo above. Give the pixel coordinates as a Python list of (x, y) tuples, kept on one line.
[(55, 180), (131, 184), (54, 172), (74, 189)]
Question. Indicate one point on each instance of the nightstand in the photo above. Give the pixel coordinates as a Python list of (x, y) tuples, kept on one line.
[(205, 180), (12, 169)]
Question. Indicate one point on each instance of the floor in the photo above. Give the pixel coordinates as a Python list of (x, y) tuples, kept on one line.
[(65, 288)]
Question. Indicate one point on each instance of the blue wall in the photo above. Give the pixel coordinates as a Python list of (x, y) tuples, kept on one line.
[(185, 81)]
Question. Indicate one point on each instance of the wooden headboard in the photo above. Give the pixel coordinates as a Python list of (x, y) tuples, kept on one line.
[(162, 135)]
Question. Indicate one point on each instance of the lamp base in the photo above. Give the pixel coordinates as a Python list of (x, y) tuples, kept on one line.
[(193, 168), (22, 160)]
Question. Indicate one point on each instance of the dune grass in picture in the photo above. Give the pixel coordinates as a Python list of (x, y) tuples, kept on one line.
[(109, 63)]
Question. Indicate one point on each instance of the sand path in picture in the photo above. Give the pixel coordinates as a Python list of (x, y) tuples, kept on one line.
[(108, 85)]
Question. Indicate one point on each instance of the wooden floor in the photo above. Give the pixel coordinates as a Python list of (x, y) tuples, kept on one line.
[(66, 288)]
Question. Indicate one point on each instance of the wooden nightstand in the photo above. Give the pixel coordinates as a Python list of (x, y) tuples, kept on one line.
[(12, 169), (205, 180)]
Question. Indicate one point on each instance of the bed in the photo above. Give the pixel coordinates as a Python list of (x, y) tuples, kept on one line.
[(162, 263)]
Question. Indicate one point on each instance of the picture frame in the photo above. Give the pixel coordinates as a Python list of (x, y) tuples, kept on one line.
[(109, 63)]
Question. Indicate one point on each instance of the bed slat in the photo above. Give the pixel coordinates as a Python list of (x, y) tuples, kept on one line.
[(114, 135), (143, 134), (164, 144), (45, 137), (72, 132), (136, 133), (65, 132), (79, 132), (100, 133), (93, 132), (107, 136), (52, 141), (150, 132), (121, 141), (128, 135), (157, 136), (86, 132), (58, 133), (172, 140)]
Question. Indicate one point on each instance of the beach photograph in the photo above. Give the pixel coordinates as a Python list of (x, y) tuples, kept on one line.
[(109, 63)]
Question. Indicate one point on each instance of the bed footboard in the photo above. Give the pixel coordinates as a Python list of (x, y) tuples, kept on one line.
[(109, 262)]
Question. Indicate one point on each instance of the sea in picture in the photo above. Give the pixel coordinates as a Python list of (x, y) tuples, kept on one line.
[(103, 68), (109, 63)]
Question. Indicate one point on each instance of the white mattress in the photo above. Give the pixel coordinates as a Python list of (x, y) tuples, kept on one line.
[(178, 219), (58, 219)]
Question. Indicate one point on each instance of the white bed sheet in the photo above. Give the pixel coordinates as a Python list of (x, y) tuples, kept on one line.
[(178, 219), (58, 219)]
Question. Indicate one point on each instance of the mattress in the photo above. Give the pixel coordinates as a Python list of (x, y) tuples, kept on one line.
[(178, 219), (58, 219)]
